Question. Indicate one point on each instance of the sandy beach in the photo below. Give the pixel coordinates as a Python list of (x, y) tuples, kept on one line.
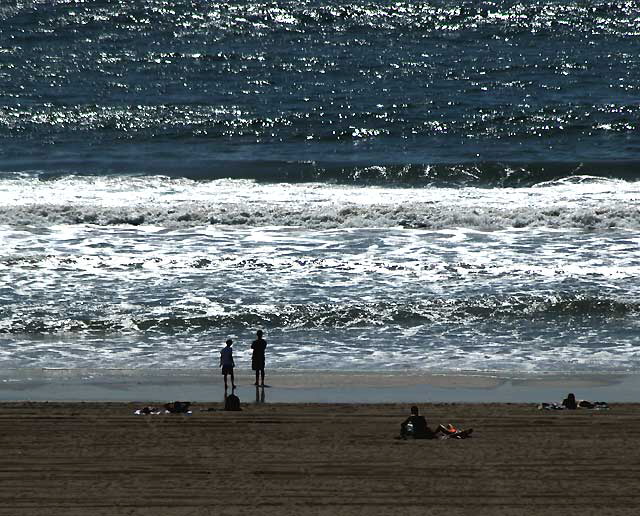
[(100, 458)]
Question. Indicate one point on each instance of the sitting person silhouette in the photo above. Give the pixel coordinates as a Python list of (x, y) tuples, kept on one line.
[(570, 402), (415, 426), (178, 407)]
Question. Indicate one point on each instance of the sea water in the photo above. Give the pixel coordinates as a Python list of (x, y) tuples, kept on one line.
[(380, 186)]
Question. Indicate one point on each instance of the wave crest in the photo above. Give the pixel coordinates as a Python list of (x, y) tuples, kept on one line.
[(415, 215), (336, 315)]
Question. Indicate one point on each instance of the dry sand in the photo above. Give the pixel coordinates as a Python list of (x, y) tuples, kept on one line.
[(290, 459)]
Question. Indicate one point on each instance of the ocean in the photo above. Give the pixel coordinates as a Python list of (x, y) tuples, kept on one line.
[(442, 186)]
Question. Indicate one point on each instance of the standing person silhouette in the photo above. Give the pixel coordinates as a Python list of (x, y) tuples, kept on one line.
[(226, 362), (257, 359)]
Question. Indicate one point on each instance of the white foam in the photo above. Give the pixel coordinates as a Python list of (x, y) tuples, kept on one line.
[(163, 202), (337, 274)]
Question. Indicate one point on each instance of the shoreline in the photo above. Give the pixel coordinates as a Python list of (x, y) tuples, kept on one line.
[(155, 385)]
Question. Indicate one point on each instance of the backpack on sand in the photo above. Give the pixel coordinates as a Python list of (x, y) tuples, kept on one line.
[(232, 402)]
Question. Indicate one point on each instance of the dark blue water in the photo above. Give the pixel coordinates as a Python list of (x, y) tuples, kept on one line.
[(218, 89)]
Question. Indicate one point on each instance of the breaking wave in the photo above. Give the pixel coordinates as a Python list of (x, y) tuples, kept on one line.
[(336, 315), (486, 174), (418, 215)]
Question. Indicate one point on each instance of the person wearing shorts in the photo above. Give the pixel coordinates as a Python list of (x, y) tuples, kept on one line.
[(226, 362)]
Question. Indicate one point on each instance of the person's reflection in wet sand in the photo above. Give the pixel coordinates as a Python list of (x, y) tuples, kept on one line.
[(260, 394)]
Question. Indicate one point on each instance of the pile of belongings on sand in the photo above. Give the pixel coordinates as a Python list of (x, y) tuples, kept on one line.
[(570, 403), (176, 407)]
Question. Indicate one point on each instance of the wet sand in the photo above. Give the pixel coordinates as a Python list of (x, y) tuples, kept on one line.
[(310, 387), (316, 459)]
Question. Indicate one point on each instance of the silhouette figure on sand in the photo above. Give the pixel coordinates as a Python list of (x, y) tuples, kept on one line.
[(227, 364), (415, 426), (570, 402), (258, 358)]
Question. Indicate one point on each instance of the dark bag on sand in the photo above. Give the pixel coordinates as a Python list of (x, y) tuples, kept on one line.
[(232, 402)]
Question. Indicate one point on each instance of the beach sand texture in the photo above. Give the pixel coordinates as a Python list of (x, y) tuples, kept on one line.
[(99, 459)]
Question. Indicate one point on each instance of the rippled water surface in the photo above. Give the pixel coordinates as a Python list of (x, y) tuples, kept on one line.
[(112, 82)]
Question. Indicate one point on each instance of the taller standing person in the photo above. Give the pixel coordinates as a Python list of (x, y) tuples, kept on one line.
[(257, 359)]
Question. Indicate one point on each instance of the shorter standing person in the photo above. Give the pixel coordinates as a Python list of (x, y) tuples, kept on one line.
[(257, 359), (226, 362)]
